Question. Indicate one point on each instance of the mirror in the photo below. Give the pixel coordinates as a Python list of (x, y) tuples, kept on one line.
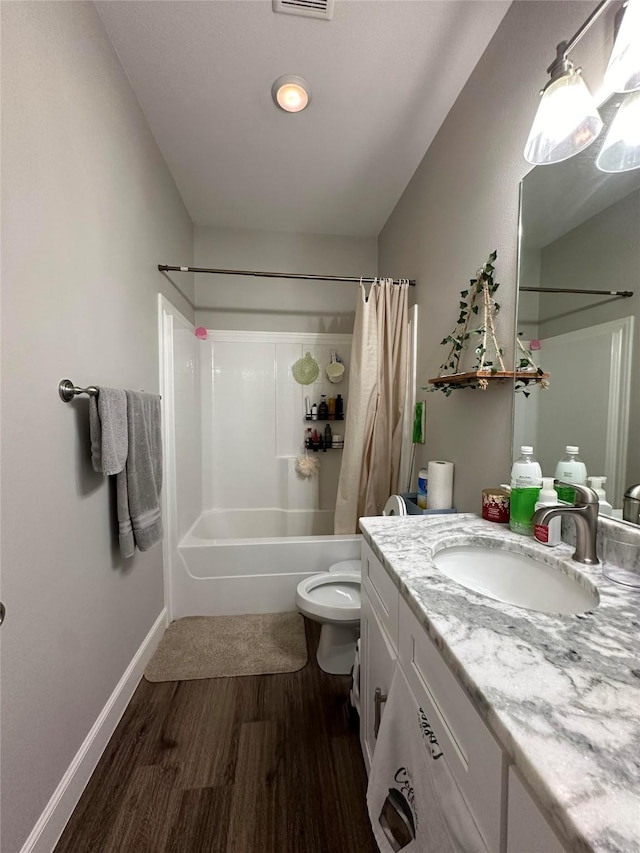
[(580, 230)]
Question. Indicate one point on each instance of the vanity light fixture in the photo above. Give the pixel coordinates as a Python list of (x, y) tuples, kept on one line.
[(621, 149), (291, 93), (567, 120), (623, 70)]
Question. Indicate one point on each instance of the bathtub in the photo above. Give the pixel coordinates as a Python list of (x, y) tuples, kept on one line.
[(251, 560)]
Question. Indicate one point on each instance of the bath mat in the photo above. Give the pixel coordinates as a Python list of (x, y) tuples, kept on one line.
[(219, 646)]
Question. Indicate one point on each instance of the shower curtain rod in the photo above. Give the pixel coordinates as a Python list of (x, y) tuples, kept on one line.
[(260, 274), (622, 293)]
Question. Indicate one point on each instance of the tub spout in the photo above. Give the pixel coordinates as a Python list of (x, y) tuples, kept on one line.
[(585, 515)]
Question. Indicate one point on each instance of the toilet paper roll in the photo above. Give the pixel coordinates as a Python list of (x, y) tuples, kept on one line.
[(440, 485)]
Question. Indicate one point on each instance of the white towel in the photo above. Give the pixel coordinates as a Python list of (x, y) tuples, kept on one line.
[(414, 803), (108, 430)]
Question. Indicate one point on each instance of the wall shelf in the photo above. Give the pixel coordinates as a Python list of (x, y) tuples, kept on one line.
[(473, 377), (329, 418)]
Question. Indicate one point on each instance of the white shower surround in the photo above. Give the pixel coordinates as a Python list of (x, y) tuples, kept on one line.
[(264, 528), (253, 419)]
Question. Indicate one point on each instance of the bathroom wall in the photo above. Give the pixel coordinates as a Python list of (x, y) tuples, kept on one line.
[(253, 419), (241, 302), (462, 203), (88, 210)]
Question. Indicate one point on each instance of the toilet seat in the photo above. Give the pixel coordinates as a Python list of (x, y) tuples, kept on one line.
[(330, 596), (395, 506)]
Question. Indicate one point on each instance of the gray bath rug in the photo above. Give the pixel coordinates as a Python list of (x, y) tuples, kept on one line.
[(219, 646)]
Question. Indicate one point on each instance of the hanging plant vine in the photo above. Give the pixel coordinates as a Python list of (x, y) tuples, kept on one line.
[(489, 353), (527, 363)]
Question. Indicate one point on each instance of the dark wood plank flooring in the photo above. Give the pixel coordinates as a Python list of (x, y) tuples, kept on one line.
[(258, 764)]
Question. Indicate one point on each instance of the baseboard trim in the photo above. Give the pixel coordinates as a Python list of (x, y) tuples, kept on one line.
[(48, 829)]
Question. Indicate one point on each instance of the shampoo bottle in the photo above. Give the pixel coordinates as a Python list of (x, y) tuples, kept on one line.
[(570, 469), (548, 534), (328, 437), (323, 408), (604, 507), (526, 479)]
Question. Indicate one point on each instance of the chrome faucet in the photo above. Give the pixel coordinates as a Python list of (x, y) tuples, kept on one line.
[(585, 514)]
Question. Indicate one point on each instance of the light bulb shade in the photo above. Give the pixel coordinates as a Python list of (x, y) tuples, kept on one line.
[(566, 122), (623, 71), (621, 149), (291, 93)]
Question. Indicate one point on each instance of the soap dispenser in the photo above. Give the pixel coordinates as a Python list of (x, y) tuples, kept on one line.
[(548, 534), (604, 507)]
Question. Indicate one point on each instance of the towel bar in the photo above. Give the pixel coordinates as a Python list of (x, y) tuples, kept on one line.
[(68, 390)]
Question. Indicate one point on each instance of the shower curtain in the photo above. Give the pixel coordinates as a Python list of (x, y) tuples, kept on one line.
[(375, 409)]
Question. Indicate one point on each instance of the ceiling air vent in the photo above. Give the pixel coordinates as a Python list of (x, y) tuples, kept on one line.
[(307, 8)]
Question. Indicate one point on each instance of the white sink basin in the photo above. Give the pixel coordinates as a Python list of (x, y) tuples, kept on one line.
[(515, 579)]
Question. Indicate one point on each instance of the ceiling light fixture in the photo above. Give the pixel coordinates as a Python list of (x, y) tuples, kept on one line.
[(291, 93), (567, 120)]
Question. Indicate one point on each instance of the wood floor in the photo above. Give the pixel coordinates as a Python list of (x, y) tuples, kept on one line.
[(258, 764)]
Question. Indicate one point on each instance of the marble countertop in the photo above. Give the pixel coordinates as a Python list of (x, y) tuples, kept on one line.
[(561, 693)]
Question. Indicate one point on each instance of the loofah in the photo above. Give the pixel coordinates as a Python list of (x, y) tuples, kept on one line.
[(307, 466), (305, 370)]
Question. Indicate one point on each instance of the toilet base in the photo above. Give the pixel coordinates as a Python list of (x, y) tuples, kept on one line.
[(337, 647)]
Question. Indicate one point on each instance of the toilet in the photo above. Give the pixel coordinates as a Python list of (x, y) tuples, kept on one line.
[(333, 599)]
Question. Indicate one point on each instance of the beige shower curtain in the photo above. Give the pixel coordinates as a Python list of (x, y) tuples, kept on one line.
[(375, 408)]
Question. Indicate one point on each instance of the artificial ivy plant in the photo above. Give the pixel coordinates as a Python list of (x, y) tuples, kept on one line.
[(478, 301)]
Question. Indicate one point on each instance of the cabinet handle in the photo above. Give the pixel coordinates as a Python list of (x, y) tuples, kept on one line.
[(378, 698)]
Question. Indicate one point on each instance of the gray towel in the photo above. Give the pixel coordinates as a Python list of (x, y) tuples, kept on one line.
[(108, 430), (138, 487)]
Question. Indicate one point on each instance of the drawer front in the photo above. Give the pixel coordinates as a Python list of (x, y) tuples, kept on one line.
[(382, 592), (475, 757), (527, 827)]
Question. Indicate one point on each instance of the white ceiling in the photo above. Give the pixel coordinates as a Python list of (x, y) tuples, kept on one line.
[(383, 73)]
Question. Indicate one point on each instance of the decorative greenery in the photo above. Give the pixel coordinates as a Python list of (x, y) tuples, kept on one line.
[(489, 353), (527, 363)]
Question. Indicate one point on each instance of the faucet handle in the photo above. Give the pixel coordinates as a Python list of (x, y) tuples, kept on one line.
[(584, 494)]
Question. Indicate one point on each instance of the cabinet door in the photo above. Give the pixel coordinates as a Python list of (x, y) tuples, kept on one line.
[(377, 663), (527, 827), (474, 756)]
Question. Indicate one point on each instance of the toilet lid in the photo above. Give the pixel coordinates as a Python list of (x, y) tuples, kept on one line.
[(347, 566), (395, 506)]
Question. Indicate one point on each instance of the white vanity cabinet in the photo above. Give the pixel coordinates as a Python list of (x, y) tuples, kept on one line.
[(527, 828), (378, 647), (506, 815), (474, 756)]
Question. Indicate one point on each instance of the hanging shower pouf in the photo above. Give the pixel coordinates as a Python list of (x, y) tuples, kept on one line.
[(305, 370)]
